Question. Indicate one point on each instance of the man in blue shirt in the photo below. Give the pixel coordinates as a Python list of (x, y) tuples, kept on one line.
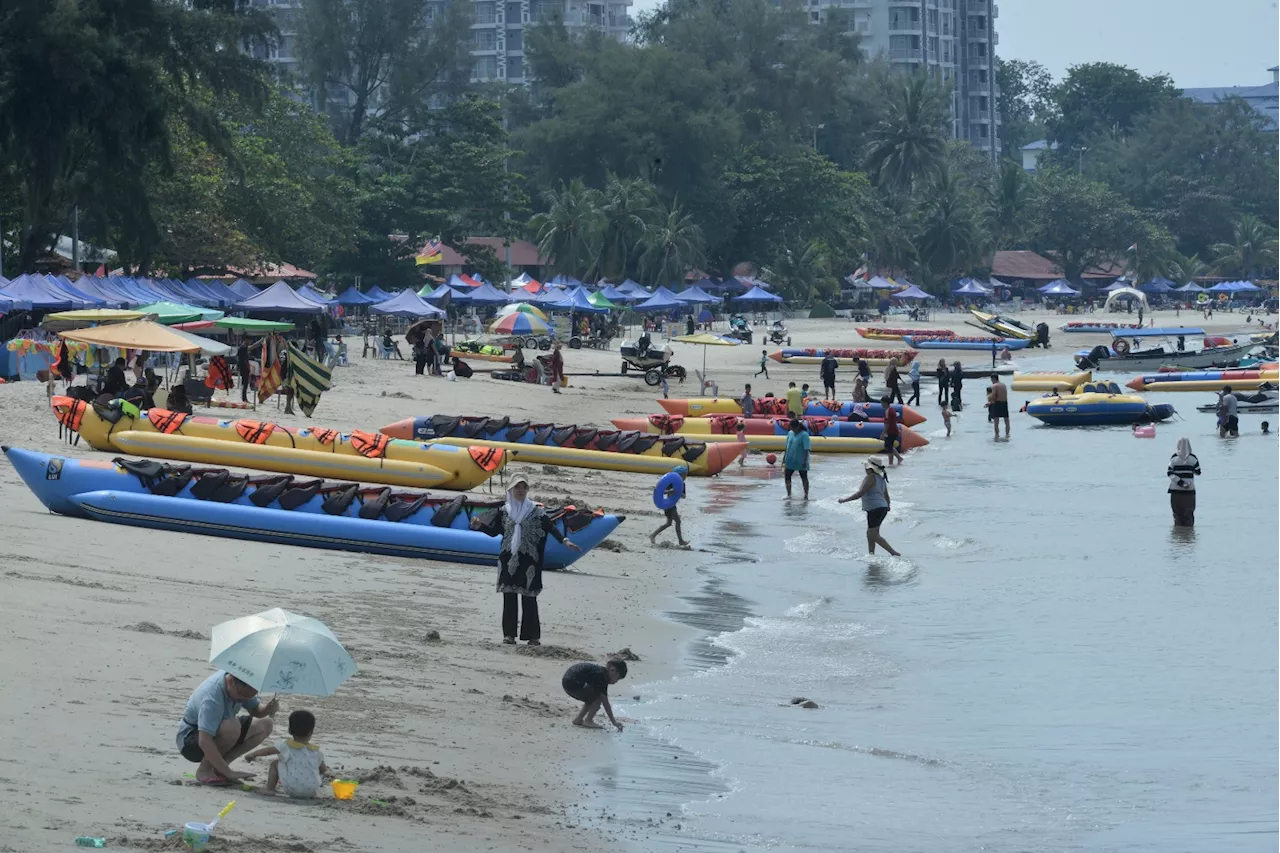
[(796, 457), (210, 734)]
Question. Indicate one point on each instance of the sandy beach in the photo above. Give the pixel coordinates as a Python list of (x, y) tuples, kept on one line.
[(460, 742)]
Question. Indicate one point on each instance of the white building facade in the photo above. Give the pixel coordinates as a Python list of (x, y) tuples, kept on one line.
[(951, 40)]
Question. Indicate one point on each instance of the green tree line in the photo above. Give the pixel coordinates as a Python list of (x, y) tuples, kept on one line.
[(721, 133)]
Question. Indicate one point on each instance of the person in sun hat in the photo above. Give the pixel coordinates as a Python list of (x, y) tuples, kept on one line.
[(524, 527), (874, 492)]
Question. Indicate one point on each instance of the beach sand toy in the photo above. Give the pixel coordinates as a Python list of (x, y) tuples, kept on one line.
[(196, 835), (344, 789)]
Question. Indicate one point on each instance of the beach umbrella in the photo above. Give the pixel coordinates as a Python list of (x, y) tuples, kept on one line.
[(519, 324), (704, 340), (171, 312), (521, 308), (281, 652)]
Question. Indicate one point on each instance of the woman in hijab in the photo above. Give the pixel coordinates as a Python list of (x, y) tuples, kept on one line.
[(1183, 468), (523, 526), (892, 379)]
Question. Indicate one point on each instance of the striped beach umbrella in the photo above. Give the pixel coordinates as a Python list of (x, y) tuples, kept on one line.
[(517, 323), (521, 308)]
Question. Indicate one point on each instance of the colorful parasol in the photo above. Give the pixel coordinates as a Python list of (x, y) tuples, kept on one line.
[(517, 323)]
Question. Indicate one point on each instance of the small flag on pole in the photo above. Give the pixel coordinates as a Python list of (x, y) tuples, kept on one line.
[(1132, 248), (308, 378), (432, 253)]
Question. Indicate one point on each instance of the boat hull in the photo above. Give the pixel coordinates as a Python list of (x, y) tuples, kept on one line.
[(1096, 410), (1048, 381), (105, 491), (843, 356), (1003, 326), (960, 343), (571, 446), (1145, 361), (699, 407), (756, 428)]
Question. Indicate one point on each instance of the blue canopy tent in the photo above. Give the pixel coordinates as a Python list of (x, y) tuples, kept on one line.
[(455, 296), (1118, 284), (353, 298), (879, 283), (487, 294), (758, 296), (696, 294), (912, 292), (635, 288), (578, 301), (661, 300), (1159, 284), (1189, 287), (181, 292), (309, 292), (101, 288), (1246, 286), (1224, 287), (220, 289), (613, 294), (407, 304), (565, 281), (242, 288), (377, 294), (278, 299), (1059, 288), (37, 293)]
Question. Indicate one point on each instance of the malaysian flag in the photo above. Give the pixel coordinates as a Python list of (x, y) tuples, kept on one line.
[(432, 253)]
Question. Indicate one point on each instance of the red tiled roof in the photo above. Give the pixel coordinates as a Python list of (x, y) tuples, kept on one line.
[(523, 253), (273, 271), (1029, 265)]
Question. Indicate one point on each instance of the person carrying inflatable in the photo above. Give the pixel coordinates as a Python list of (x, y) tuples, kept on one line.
[(666, 495)]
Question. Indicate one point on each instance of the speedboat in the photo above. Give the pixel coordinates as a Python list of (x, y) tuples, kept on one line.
[(1127, 355), (1097, 404)]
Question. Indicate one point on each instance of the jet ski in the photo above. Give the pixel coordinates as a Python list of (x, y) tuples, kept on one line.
[(1251, 402)]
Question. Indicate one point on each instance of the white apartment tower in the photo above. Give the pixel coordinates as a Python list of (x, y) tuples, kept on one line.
[(952, 40), (497, 29)]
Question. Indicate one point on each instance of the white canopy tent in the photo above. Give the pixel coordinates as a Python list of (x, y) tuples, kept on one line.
[(1130, 292)]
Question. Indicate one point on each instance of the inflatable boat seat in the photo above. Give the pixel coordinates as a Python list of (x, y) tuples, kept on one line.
[(606, 439), (340, 500), (443, 425), (269, 489), (542, 432), (299, 494), (560, 436), (584, 437), (399, 510), (672, 445), (372, 507), (693, 450), (516, 431), (445, 515), (497, 425), (219, 487)]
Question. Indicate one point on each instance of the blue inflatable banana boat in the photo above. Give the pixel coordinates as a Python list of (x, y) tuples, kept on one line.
[(288, 510)]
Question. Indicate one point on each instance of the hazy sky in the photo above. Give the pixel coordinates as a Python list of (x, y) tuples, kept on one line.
[(1196, 42)]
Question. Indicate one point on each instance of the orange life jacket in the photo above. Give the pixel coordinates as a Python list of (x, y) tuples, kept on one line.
[(166, 421), (488, 458), (255, 432), (372, 445)]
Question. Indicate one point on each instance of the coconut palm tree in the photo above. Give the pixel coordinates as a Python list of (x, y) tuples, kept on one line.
[(802, 273), (949, 238), (1251, 251), (910, 142), (1185, 270), (627, 206), (671, 244), (568, 233)]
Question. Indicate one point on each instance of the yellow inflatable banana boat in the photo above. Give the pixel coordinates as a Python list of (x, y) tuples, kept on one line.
[(1063, 381), (413, 463), (712, 460)]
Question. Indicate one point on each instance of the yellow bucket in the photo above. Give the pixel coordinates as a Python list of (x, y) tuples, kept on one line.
[(344, 789)]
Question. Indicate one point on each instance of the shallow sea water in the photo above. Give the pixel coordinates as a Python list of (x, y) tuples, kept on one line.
[(1051, 666)]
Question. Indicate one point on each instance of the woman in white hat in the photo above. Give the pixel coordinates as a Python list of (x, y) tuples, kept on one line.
[(874, 492), (524, 527)]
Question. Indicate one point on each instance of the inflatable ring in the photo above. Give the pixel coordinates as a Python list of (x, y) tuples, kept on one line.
[(1121, 346), (670, 480)]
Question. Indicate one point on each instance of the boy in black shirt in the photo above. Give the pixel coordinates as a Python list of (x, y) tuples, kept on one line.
[(589, 684)]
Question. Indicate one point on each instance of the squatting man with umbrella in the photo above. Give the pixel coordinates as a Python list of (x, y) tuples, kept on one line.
[(274, 650)]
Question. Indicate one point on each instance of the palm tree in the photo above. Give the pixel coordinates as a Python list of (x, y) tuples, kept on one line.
[(627, 207), (671, 244), (1008, 205), (909, 143), (949, 238), (568, 233), (1251, 251), (802, 274), (1185, 270)]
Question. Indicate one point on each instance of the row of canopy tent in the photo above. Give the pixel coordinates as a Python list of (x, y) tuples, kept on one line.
[(57, 293)]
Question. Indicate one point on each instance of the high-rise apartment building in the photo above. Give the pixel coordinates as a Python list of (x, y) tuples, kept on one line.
[(952, 40), (498, 28)]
